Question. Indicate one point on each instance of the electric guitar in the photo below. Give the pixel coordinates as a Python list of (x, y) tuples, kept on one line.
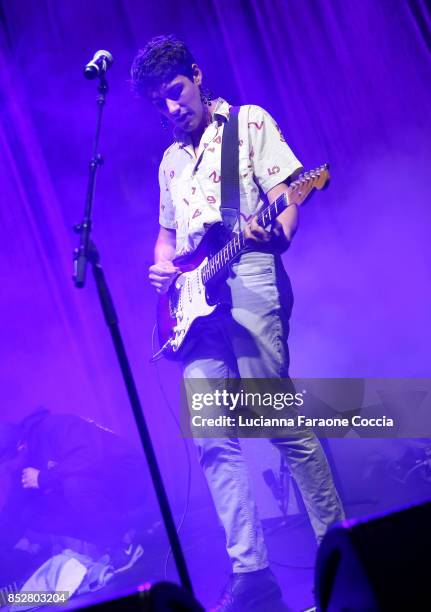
[(194, 293)]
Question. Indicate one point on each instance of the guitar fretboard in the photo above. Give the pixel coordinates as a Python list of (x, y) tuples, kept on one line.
[(296, 194), (233, 248)]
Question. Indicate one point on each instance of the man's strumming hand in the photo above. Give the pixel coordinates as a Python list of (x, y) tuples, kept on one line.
[(162, 274)]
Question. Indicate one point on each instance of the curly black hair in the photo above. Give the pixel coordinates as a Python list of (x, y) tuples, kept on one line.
[(160, 61)]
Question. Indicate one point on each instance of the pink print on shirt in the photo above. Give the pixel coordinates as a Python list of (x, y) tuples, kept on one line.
[(273, 170), (214, 177), (281, 133)]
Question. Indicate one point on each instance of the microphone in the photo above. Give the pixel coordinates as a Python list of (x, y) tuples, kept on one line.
[(100, 63)]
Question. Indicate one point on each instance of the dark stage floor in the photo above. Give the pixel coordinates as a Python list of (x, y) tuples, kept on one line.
[(292, 551)]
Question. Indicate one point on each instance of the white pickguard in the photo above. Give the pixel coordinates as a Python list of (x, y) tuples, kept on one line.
[(188, 302)]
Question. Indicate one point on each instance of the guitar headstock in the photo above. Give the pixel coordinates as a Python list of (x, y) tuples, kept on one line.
[(305, 183)]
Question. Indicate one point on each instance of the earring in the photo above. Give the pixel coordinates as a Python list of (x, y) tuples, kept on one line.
[(164, 122), (206, 96)]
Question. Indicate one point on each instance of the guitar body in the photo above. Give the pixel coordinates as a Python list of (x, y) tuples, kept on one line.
[(188, 299)]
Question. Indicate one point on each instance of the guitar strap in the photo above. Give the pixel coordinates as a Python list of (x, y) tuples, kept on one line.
[(230, 195)]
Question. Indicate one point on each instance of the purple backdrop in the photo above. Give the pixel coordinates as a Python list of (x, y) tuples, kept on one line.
[(348, 82)]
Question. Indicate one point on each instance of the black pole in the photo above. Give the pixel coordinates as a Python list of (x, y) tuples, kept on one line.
[(81, 254), (87, 252)]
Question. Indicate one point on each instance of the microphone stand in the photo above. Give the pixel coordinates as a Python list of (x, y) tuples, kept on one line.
[(87, 253)]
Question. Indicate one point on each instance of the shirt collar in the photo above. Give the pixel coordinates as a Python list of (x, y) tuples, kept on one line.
[(222, 109)]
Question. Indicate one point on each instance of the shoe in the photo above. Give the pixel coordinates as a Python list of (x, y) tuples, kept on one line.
[(124, 558), (249, 591)]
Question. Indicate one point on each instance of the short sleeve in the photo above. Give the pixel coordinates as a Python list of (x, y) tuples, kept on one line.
[(167, 213), (273, 159)]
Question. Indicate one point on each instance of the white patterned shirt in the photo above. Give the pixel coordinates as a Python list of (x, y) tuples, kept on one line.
[(190, 185)]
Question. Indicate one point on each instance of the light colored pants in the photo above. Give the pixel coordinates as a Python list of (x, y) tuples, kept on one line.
[(250, 341)]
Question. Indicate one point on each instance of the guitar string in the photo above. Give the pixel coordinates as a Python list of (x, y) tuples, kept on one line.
[(213, 266)]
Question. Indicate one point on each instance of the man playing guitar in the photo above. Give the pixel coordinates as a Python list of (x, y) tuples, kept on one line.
[(249, 338)]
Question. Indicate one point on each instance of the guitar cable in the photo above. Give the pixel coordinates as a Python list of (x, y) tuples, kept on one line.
[(186, 449)]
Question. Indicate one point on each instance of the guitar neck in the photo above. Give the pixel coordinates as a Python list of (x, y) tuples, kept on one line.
[(236, 245), (296, 193)]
